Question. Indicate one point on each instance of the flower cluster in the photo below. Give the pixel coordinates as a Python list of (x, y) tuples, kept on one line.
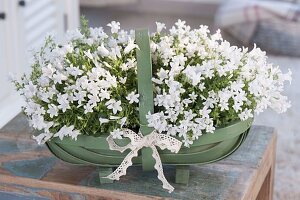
[(202, 82), (85, 86), (88, 85)]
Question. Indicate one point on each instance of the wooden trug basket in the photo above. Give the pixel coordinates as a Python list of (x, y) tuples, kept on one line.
[(90, 150)]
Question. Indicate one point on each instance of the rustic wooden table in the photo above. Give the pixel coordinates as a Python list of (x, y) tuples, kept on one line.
[(29, 171)]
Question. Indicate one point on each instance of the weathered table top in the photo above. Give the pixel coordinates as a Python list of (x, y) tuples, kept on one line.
[(29, 171)]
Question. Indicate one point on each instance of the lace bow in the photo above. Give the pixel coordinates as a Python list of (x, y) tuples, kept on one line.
[(138, 141)]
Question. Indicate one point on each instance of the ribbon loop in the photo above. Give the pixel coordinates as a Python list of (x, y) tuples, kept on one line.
[(138, 141)]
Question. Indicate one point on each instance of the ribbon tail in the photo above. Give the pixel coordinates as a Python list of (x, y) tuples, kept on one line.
[(160, 171), (121, 170)]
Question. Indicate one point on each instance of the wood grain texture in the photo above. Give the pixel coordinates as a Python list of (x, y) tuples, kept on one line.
[(182, 174), (145, 90), (246, 174)]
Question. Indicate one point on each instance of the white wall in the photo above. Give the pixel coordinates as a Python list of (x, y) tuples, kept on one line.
[(24, 30)]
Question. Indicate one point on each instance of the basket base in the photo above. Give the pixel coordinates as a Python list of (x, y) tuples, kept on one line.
[(182, 174), (103, 172)]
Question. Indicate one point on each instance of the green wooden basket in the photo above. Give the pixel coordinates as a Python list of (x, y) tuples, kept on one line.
[(90, 150)]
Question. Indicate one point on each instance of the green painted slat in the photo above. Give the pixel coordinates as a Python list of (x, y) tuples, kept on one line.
[(220, 134), (145, 89), (231, 130), (63, 155), (214, 154), (182, 174), (78, 155), (90, 142), (91, 157)]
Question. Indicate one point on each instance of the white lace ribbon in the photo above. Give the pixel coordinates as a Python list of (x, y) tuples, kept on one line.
[(138, 141)]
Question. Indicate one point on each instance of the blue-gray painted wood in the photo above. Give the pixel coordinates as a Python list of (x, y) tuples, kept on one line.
[(10, 196), (36, 168), (8, 147), (212, 181)]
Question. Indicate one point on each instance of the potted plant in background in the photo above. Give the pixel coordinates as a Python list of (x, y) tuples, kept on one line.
[(181, 97)]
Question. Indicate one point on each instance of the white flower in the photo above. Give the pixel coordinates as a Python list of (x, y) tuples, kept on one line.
[(98, 33), (88, 54), (193, 96), (237, 106), (30, 90), (162, 74), (48, 71), (224, 105), (180, 24), (74, 35), (186, 102), (124, 66), (47, 126), (43, 81), (133, 97), (74, 71), (157, 81), (112, 80), (31, 107), (196, 133), (52, 110), (131, 63), (42, 138), (79, 96), (123, 80), (160, 26), (157, 121), (93, 99), (103, 120), (210, 128), (102, 50), (115, 26), (61, 133), (189, 115), (247, 113), (172, 114), (38, 122), (130, 46), (114, 105), (117, 134), (123, 121), (63, 102), (114, 117), (104, 94), (88, 108), (201, 86), (39, 110), (194, 73), (224, 96), (74, 133), (66, 131), (204, 112), (59, 77), (187, 142)]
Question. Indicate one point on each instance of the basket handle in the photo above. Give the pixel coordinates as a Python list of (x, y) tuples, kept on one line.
[(145, 90)]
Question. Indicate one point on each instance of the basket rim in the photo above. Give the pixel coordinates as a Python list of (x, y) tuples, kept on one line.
[(229, 131)]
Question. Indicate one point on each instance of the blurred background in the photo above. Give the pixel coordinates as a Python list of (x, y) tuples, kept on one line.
[(274, 25)]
